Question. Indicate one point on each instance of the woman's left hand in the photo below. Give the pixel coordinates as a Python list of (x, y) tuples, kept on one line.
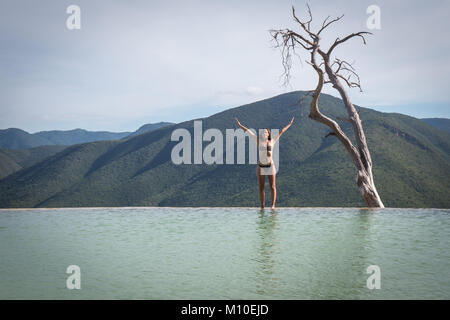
[(292, 120), (290, 124)]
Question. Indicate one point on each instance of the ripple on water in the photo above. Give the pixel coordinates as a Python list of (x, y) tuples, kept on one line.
[(225, 253)]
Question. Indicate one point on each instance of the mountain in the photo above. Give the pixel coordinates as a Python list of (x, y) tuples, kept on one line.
[(14, 138), (440, 123), (411, 165), (150, 127), (70, 137), (12, 160), (23, 152)]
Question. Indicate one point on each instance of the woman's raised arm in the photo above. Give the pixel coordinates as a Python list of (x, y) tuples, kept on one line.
[(250, 132), (284, 129)]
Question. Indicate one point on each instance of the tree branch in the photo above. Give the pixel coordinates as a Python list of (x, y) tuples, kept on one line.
[(305, 25), (339, 41), (343, 65), (325, 25)]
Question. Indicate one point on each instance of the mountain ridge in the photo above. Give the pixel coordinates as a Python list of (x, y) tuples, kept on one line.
[(15, 138), (440, 123), (411, 165)]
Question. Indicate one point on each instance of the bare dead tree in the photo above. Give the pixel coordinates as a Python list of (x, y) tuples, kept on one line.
[(339, 73)]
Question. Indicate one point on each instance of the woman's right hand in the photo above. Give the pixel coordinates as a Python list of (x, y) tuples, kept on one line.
[(239, 124)]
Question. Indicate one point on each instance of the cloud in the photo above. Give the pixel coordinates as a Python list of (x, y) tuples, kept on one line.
[(254, 91)]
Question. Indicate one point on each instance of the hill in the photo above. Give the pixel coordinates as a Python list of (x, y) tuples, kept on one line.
[(440, 123), (150, 127), (75, 136), (14, 138), (411, 165), (12, 160)]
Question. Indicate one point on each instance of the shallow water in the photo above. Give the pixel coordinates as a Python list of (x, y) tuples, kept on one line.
[(224, 253)]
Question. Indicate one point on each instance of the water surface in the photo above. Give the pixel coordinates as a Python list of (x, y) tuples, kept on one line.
[(224, 253)]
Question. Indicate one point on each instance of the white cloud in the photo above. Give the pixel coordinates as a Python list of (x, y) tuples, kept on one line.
[(254, 91)]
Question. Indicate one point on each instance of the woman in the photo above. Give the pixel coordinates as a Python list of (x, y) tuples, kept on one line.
[(265, 166)]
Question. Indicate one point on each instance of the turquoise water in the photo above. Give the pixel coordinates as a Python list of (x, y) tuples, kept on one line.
[(224, 253)]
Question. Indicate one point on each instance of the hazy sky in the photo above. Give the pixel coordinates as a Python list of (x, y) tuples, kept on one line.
[(135, 62)]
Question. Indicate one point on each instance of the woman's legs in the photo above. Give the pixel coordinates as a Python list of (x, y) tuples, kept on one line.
[(273, 189), (261, 182)]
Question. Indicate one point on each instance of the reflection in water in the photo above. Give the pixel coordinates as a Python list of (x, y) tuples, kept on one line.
[(266, 250), (340, 251)]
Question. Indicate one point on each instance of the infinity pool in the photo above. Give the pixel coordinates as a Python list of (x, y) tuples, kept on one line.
[(224, 253)]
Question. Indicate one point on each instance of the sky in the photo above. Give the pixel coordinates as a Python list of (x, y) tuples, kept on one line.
[(138, 62)]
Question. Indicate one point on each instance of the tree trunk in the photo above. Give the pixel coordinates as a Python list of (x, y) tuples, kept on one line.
[(360, 156), (364, 178), (368, 190)]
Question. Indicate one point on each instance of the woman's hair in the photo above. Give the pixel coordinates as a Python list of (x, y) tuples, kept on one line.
[(270, 134), (260, 135)]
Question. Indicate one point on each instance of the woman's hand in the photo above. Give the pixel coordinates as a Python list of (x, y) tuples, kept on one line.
[(287, 127), (252, 135), (292, 121), (240, 125)]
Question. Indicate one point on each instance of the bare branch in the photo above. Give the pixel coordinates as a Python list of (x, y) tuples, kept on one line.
[(305, 25), (287, 34), (285, 40), (349, 83), (339, 41), (344, 66), (325, 25), (341, 63)]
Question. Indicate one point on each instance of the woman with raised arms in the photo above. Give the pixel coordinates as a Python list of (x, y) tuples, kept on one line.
[(266, 166)]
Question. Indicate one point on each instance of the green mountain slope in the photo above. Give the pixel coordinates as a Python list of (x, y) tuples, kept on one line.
[(12, 160), (411, 165)]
